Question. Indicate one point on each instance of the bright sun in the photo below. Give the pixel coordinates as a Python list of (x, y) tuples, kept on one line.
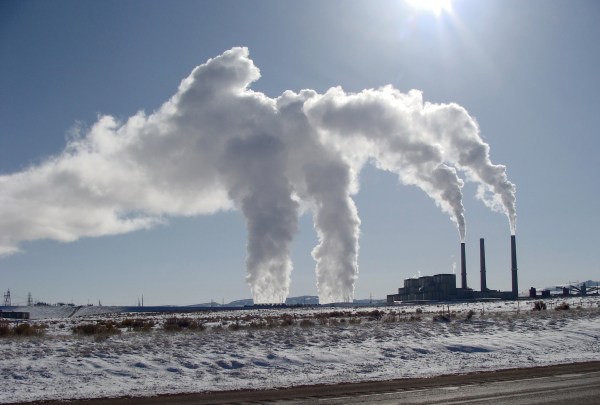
[(434, 6)]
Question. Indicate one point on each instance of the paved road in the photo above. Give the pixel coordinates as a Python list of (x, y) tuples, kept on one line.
[(580, 388), (571, 383)]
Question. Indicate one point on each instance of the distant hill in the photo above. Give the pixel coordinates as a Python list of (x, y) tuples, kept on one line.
[(240, 303), (301, 300), (206, 305), (588, 283), (370, 301)]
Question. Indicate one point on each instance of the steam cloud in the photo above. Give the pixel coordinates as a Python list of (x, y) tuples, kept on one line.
[(218, 145)]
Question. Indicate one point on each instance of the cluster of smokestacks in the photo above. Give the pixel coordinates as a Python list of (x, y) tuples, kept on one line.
[(513, 254)]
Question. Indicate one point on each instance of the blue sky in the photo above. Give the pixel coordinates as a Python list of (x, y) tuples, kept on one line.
[(527, 71)]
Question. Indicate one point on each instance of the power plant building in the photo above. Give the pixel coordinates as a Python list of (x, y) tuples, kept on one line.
[(442, 287)]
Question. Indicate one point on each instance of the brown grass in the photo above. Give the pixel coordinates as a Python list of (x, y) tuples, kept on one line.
[(137, 324), (176, 324), (100, 328), (21, 329)]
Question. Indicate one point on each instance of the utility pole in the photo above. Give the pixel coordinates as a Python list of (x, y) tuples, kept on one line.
[(7, 302)]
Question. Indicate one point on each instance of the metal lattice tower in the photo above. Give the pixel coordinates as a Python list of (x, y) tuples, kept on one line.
[(29, 300), (7, 302)]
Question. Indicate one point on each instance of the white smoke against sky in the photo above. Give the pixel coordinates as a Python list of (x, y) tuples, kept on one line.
[(390, 128), (217, 145), (458, 133)]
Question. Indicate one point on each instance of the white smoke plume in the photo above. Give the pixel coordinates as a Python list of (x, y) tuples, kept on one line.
[(218, 145), (465, 149), (390, 128)]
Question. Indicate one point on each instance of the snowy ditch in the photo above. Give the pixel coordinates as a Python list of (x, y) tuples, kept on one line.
[(256, 349)]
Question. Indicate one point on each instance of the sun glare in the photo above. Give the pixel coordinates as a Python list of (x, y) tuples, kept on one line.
[(436, 7)]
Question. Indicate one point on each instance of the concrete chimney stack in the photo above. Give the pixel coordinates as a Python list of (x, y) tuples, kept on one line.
[(482, 264), (463, 267), (515, 281)]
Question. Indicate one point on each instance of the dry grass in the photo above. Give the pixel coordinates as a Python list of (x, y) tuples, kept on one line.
[(176, 324), (307, 323), (100, 328), (287, 320), (24, 329), (137, 324)]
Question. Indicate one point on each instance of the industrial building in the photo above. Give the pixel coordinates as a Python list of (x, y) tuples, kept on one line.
[(442, 287)]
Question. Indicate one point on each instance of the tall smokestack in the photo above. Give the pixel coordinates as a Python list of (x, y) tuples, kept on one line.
[(463, 267), (482, 264), (515, 281)]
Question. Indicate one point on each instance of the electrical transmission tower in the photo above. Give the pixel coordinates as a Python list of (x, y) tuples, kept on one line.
[(29, 300), (7, 302)]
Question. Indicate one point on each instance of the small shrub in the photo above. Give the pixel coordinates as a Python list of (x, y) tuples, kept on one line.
[(235, 326), (419, 311), (175, 324), (126, 323), (355, 321), (389, 318), (257, 325), (322, 319), (307, 323), (4, 329), (441, 318), (334, 314), (470, 314), (563, 307), (287, 320), (137, 324), (104, 328), (27, 329), (539, 306)]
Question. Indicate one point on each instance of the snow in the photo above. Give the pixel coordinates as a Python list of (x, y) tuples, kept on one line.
[(61, 365)]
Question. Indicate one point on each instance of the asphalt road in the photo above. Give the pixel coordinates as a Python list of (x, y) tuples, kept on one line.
[(570, 383), (580, 388)]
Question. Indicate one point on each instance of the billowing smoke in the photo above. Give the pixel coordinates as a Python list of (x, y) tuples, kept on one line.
[(466, 150), (391, 128), (424, 143), (218, 145)]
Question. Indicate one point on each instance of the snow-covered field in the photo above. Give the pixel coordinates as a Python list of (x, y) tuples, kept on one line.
[(251, 349)]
